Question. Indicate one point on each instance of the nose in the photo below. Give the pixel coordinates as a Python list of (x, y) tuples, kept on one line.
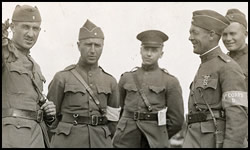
[(149, 52), (228, 38), (92, 49), (30, 33), (190, 38)]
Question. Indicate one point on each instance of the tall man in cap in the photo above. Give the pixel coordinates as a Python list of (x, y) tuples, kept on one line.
[(24, 108), (218, 98), (87, 98), (151, 99)]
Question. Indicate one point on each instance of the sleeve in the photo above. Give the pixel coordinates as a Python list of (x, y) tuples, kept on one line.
[(113, 109), (55, 94), (175, 112), (235, 104), (122, 92)]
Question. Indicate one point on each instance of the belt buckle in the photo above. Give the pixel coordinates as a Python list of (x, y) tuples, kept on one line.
[(136, 115), (94, 120), (39, 116)]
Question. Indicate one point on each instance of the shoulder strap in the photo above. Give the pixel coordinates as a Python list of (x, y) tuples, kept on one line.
[(144, 98), (91, 93)]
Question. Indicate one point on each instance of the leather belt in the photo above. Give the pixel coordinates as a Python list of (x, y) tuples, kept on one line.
[(204, 116), (19, 113), (91, 120), (140, 115)]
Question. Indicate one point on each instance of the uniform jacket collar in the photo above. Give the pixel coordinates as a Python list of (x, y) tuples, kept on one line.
[(236, 54), (214, 53), (150, 67)]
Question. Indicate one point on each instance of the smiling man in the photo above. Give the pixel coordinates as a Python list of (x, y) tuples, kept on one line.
[(86, 97), (234, 39), (217, 102), (151, 100), (24, 108)]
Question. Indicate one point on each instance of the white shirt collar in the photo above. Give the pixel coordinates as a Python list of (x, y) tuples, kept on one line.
[(210, 50)]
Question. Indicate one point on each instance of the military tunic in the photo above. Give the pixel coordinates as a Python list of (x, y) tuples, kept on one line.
[(162, 90), (220, 82), (241, 57), (70, 96), (18, 92)]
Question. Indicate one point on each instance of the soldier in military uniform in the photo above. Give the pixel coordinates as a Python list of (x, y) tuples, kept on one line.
[(24, 109), (151, 100), (234, 39), (87, 98), (218, 98)]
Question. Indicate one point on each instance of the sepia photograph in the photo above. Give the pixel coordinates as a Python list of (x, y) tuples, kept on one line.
[(124, 74)]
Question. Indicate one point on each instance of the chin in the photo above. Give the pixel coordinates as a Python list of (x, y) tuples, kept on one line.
[(195, 51)]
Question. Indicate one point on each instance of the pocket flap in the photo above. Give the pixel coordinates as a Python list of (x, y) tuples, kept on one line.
[(211, 83), (18, 69), (122, 124), (130, 87), (106, 130), (207, 127), (157, 89), (18, 123), (64, 128), (42, 77), (102, 89), (74, 88)]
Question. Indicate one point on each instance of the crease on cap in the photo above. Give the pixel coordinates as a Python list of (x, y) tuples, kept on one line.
[(210, 20), (235, 15), (90, 30), (26, 13)]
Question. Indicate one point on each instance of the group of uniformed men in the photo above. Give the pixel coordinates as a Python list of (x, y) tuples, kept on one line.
[(85, 106)]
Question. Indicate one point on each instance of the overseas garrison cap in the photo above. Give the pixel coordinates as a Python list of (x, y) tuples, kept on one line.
[(90, 30), (235, 15), (210, 20), (152, 38), (26, 13)]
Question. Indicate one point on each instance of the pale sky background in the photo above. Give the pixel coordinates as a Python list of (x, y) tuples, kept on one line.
[(56, 46)]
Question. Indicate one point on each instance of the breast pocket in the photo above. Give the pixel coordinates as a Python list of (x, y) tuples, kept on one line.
[(131, 91), (103, 93), (156, 89), (75, 94), (16, 79), (130, 88), (208, 89)]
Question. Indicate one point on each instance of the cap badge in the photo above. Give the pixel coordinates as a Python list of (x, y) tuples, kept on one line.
[(33, 17)]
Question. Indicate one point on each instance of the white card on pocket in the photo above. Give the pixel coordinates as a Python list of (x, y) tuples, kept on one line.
[(162, 116)]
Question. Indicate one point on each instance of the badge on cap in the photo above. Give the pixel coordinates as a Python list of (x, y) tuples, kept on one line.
[(33, 17)]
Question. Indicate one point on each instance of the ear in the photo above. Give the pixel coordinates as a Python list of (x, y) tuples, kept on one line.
[(161, 54), (246, 33), (141, 50), (12, 27), (212, 34), (78, 45)]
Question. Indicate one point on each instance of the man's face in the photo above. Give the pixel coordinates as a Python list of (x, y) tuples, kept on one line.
[(150, 55), (200, 39), (234, 36), (91, 50), (25, 34)]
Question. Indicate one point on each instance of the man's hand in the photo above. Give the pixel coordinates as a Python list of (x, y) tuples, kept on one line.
[(49, 108)]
